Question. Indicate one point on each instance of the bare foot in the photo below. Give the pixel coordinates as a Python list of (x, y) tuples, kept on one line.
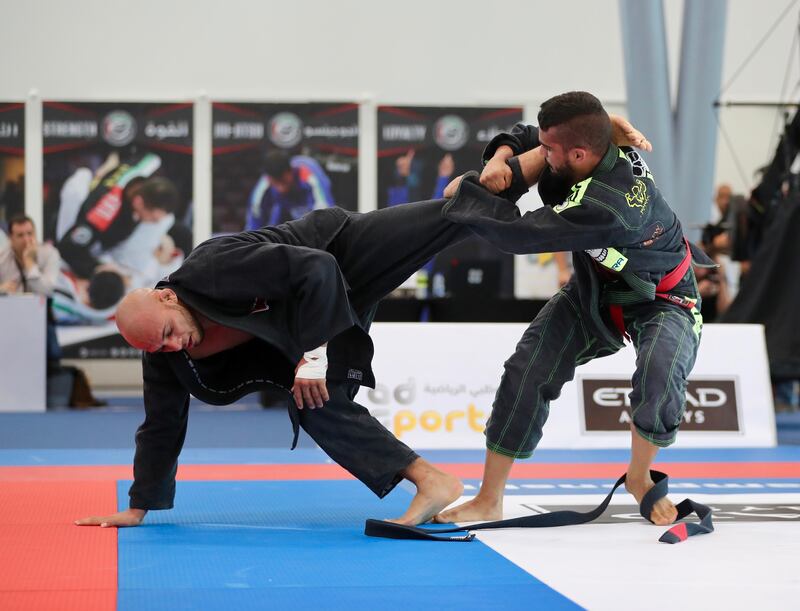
[(435, 491), (664, 511), (476, 510)]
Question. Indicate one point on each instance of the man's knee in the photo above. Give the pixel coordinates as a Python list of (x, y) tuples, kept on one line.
[(658, 421)]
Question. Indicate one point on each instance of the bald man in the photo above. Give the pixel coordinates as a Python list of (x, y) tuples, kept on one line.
[(287, 307)]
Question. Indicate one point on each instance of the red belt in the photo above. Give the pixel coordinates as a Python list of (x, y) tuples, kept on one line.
[(668, 282)]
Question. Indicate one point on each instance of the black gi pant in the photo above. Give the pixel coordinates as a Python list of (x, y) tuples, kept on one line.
[(665, 336), (376, 251)]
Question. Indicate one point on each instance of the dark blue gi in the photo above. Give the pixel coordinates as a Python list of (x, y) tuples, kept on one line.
[(624, 239)]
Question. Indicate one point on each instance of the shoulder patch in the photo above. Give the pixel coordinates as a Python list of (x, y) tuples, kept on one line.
[(640, 169), (575, 196), (638, 196)]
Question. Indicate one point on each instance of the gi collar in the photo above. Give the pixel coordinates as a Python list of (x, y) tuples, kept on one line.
[(608, 160)]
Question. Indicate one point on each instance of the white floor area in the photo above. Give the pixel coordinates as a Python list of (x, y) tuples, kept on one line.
[(619, 567)]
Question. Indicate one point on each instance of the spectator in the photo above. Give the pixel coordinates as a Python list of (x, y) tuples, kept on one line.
[(26, 266), (767, 297)]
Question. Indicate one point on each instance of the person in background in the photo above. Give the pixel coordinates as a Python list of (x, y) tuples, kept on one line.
[(26, 266)]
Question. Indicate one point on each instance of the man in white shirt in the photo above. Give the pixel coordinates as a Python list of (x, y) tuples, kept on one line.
[(26, 266)]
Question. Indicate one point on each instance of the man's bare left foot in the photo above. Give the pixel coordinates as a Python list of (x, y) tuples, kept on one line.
[(474, 510), (664, 511), (435, 491)]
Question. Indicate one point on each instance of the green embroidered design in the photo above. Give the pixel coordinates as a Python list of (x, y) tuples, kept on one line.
[(575, 197), (638, 196), (698, 321)]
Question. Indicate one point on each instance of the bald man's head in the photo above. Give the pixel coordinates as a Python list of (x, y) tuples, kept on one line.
[(154, 320)]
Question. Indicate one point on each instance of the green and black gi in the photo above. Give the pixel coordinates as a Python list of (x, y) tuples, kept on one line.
[(624, 239)]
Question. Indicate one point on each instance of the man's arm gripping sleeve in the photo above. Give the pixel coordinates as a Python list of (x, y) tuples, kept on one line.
[(499, 222), (521, 138)]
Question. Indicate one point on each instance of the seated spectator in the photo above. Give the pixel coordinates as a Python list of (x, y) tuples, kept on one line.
[(26, 266)]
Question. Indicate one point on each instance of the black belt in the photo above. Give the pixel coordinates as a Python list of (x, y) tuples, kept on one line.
[(680, 532)]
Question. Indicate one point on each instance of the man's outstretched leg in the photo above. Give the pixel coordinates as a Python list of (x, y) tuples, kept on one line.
[(351, 436), (638, 481), (377, 251)]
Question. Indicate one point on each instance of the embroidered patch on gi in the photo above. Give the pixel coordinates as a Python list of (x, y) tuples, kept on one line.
[(638, 196), (610, 258), (598, 254), (640, 169), (655, 232), (259, 305), (355, 374), (575, 196)]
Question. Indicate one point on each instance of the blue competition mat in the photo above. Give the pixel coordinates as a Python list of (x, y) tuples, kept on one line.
[(300, 545), (313, 455)]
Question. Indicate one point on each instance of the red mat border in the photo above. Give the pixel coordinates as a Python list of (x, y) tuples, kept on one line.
[(301, 472)]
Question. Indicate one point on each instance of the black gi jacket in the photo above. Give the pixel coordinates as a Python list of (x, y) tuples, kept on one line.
[(280, 285), (623, 235)]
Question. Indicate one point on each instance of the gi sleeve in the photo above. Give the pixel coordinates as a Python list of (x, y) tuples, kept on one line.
[(521, 138), (160, 437), (575, 225)]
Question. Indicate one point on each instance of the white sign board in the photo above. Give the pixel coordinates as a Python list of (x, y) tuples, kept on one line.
[(436, 384), (23, 353)]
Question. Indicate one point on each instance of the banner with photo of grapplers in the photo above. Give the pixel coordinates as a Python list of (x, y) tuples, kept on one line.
[(274, 162), (420, 150), (12, 162), (118, 206)]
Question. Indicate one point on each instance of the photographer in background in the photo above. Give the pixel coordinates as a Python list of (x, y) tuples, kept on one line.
[(722, 242), (769, 294)]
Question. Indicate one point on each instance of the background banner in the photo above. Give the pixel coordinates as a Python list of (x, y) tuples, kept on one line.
[(117, 204), (275, 162), (437, 382), (420, 150), (12, 161)]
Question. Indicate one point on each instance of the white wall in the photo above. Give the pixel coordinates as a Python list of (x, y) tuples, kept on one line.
[(417, 51)]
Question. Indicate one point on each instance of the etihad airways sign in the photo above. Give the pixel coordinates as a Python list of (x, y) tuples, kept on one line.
[(711, 405)]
